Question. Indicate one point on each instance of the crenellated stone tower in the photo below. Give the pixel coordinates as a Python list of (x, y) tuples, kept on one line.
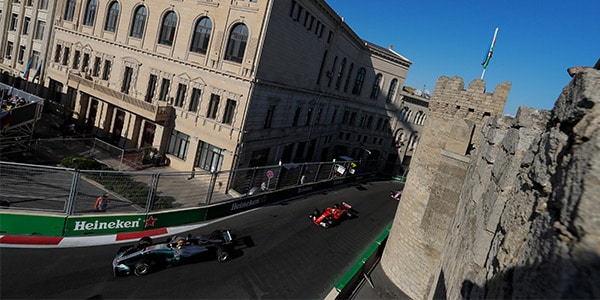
[(432, 190)]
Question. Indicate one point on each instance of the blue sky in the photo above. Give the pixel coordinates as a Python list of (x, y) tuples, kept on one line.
[(537, 41)]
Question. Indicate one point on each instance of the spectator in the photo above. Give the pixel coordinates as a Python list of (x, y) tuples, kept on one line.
[(101, 203)]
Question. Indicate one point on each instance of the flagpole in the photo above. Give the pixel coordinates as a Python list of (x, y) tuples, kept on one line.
[(489, 54)]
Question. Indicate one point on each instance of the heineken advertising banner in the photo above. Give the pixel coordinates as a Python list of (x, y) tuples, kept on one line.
[(111, 224), (31, 224)]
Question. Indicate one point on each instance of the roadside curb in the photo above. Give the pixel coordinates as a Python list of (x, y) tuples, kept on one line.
[(25, 241)]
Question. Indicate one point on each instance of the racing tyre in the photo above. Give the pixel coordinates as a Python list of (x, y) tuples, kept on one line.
[(141, 269), (222, 255)]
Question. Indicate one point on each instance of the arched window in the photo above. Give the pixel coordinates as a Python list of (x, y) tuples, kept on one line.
[(399, 140), (417, 117), (237, 43), (69, 10), (392, 91), (201, 36), (420, 118), (112, 17), (167, 30), (376, 83), (358, 82), (404, 114), (412, 142), (139, 22), (90, 12)]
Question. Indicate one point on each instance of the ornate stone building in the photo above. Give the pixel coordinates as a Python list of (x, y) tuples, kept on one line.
[(25, 38), (219, 85)]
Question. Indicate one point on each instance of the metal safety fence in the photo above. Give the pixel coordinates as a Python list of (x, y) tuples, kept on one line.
[(74, 192)]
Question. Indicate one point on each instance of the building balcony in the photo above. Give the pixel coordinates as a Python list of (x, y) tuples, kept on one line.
[(158, 113)]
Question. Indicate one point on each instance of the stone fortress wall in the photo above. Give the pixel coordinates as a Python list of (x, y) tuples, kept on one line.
[(510, 209)]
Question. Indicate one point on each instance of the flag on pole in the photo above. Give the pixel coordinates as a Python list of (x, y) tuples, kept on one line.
[(38, 71), (488, 57), (27, 69)]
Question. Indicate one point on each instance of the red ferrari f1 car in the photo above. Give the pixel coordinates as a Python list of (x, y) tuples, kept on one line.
[(332, 215)]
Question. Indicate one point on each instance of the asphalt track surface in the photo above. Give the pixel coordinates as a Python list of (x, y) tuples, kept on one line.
[(291, 258)]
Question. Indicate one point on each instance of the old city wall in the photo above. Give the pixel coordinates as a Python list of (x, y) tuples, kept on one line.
[(440, 165), (526, 221)]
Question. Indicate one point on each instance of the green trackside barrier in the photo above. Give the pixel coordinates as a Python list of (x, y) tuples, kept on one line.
[(31, 224), (247, 203), (372, 250), (176, 217)]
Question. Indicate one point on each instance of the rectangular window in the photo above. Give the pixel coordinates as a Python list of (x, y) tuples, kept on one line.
[(44, 4), (76, 56), (107, 68), (97, 63), (35, 59), (306, 18), (213, 106), (86, 62), (26, 22), (209, 157), (66, 53), (181, 90), (229, 111), (151, 88), (57, 53), (126, 80), (178, 144), (352, 118), (296, 116), (13, 22), (345, 117), (9, 50), (29, 3), (298, 13), (21, 55), (320, 30), (69, 11), (269, 117), (292, 8), (39, 30), (362, 121), (195, 99), (164, 89)]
